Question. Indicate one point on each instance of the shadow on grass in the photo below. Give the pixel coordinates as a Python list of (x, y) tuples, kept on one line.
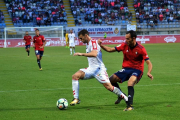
[(77, 107), (95, 107)]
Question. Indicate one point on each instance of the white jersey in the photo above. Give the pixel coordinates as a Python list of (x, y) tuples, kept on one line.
[(71, 37), (94, 62)]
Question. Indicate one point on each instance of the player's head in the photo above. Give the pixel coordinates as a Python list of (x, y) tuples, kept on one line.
[(131, 38), (26, 33), (71, 31), (84, 36), (37, 31)]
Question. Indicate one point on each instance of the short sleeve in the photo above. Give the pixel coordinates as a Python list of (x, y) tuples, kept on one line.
[(145, 55), (93, 45), (43, 38), (120, 47)]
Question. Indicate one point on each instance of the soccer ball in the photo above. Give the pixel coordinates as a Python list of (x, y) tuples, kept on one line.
[(62, 104)]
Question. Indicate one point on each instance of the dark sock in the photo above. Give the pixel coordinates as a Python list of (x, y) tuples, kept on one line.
[(130, 95), (28, 52), (116, 85), (39, 64)]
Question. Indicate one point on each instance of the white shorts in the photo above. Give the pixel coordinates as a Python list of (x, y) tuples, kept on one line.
[(99, 73), (71, 44)]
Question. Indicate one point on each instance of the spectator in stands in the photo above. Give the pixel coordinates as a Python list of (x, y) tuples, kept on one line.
[(76, 22), (89, 18), (48, 22), (86, 18), (79, 21), (161, 17), (96, 21), (28, 18), (100, 21), (155, 20), (24, 18), (171, 18)]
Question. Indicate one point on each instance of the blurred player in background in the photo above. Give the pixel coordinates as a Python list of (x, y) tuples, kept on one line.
[(132, 67), (67, 39), (71, 37), (39, 42), (27, 39), (96, 68)]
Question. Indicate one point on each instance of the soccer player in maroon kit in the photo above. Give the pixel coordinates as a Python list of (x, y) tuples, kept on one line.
[(132, 67), (27, 39), (38, 43)]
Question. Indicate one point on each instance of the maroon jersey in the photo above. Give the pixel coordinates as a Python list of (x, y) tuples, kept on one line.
[(38, 41), (27, 39), (133, 57)]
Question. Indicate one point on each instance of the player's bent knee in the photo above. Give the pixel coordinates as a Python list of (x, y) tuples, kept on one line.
[(75, 77), (114, 79)]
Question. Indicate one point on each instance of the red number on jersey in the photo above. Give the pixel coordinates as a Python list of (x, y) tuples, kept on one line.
[(94, 45)]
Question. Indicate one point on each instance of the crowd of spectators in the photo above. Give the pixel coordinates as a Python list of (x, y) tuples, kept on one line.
[(100, 11), (38, 12), (1, 16), (154, 12)]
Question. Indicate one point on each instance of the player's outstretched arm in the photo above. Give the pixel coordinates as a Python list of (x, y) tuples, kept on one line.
[(93, 53), (149, 69), (106, 48)]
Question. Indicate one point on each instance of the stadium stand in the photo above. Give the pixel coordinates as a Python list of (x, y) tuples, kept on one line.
[(37, 12), (157, 13), (100, 12), (148, 13)]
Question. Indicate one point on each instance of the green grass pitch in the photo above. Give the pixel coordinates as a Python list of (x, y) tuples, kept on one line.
[(29, 94)]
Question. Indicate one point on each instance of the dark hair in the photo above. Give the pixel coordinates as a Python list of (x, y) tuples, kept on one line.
[(132, 33), (37, 30), (83, 32)]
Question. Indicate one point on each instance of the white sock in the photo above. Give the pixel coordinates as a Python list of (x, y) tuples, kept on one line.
[(74, 50), (71, 50), (120, 93), (75, 88)]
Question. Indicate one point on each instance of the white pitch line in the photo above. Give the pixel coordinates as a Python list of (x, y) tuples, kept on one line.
[(82, 88)]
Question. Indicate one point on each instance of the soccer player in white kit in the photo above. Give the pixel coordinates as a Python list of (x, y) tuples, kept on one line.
[(71, 37), (96, 68)]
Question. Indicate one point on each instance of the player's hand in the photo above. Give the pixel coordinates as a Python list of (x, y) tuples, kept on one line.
[(33, 46), (41, 47), (78, 54), (99, 42), (150, 76)]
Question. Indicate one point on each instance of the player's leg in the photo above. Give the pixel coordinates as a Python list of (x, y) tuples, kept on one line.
[(115, 90), (131, 82), (70, 45), (37, 52), (66, 43), (114, 81), (28, 50), (133, 79), (75, 86), (102, 77)]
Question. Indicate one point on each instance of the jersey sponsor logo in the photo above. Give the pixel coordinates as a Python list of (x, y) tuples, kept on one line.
[(127, 51), (94, 45)]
